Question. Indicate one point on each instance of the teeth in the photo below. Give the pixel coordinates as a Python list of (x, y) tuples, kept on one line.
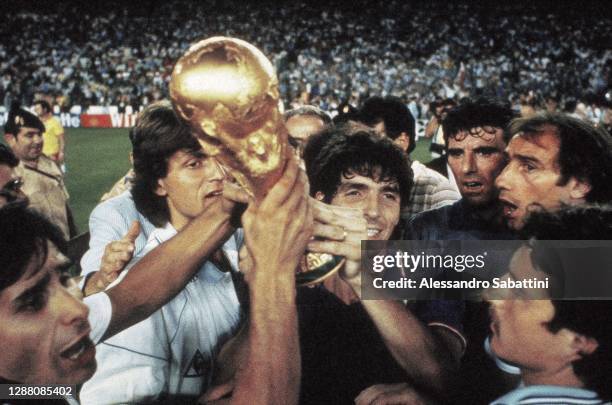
[(372, 232), (509, 208), (75, 351), (78, 353)]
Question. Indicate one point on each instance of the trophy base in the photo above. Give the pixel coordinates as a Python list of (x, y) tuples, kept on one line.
[(316, 267)]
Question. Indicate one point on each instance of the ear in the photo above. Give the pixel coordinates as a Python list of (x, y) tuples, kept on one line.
[(403, 141), (584, 345), (579, 189), (9, 139), (319, 196), (160, 190)]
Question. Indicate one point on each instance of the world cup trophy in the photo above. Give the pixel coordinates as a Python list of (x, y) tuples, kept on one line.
[(227, 90)]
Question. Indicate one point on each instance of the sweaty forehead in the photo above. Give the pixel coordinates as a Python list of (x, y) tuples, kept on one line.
[(545, 137), (487, 136)]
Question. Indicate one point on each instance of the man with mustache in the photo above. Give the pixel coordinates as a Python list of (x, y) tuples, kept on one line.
[(42, 177)]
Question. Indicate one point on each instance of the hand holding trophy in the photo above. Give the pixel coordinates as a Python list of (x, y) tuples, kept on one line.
[(227, 90)]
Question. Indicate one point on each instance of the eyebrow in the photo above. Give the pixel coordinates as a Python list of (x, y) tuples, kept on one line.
[(527, 159), (487, 149), (393, 187), (359, 186), (390, 187)]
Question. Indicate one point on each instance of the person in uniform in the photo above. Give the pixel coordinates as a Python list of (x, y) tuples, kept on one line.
[(42, 177)]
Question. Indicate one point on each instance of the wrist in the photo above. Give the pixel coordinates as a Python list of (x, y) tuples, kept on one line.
[(89, 282)]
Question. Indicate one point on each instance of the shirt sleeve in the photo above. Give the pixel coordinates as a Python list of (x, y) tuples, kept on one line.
[(100, 313), (106, 224)]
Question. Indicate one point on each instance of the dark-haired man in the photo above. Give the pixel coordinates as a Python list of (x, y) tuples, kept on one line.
[(475, 142), (42, 177), (48, 334), (353, 167), (390, 117), (562, 347), (554, 160), (175, 182)]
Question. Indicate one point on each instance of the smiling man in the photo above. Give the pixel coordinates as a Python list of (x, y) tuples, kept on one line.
[(352, 167), (42, 177), (475, 143), (554, 160), (390, 117)]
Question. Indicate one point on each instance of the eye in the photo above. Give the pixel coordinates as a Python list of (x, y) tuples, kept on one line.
[(353, 193), (64, 279), (33, 302), (391, 196), (454, 153), (194, 163), (528, 167)]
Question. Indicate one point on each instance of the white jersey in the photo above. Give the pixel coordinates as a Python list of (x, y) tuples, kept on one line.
[(173, 351)]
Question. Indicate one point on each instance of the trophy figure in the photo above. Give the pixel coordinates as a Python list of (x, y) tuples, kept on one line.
[(227, 90)]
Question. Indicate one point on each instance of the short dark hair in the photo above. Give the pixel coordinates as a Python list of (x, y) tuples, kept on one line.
[(7, 157), (474, 113), (24, 236), (44, 104), (585, 151), (158, 134), (348, 148), (395, 115), (309, 111), (590, 318)]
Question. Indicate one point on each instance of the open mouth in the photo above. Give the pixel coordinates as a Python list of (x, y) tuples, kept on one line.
[(214, 193), (472, 184), (78, 349), (509, 208)]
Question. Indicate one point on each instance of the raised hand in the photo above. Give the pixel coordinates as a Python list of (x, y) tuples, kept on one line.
[(117, 255)]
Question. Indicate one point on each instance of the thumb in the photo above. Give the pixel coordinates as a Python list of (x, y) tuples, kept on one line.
[(133, 232)]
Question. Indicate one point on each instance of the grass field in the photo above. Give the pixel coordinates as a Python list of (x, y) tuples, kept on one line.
[(96, 158)]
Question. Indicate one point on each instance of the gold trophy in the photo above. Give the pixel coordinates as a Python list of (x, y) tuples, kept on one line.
[(227, 90)]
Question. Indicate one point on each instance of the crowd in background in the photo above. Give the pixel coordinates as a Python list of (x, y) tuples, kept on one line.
[(325, 55)]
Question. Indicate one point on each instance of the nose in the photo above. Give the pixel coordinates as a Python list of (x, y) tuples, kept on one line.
[(37, 138), (72, 311), (468, 164), (371, 207), (501, 182)]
